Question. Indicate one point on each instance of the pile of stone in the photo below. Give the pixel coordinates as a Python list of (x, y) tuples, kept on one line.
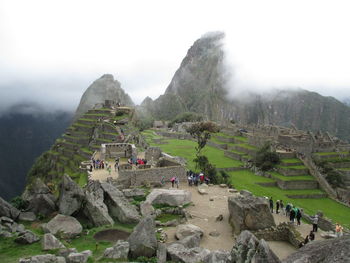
[(64, 256)]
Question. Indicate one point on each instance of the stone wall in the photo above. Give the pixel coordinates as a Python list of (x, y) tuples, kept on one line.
[(113, 150), (283, 232), (296, 185), (152, 176), (232, 155), (292, 172), (224, 139), (180, 136), (217, 145), (153, 153)]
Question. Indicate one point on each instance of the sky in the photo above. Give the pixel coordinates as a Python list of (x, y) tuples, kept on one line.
[(51, 51)]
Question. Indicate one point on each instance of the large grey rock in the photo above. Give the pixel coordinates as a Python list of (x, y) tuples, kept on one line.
[(169, 197), (248, 212), (118, 206), (49, 242), (203, 189), (104, 88), (71, 196), (332, 250), (143, 241), (249, 249), (8, 210), (218, 256), (27, 216), (119, 251), (81, 257), (65, 252), (179, 253), (190, 241), (39, 197), (48, 258), (185, 230), (146, 209), (134, 192), (95, 208), (161, 253), (66, 226), (27, 237)]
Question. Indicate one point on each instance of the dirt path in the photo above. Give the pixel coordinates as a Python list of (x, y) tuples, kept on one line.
[(204, 214)]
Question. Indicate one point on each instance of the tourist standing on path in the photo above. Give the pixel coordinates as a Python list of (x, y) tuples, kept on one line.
[(109, 169), (292, 215), (311, 236), (298, 216), (177, 182), (315, 223), (277, 206), (288, 208), (338, 230), (282, 207), (162, 180), (271, 204), (172, 180)]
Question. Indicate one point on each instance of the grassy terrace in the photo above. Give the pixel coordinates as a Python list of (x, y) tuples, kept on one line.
[(292, 160), (247, 180), (292, 178), (185, 149), (241, 138), (330, 153), (247, 146), (85, 119), (295, 167)]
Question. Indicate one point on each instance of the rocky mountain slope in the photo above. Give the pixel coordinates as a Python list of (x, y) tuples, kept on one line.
[(104, 88), (23, 137), (201, 85)]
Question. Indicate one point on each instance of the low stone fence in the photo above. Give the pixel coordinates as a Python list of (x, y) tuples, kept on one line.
[(217, 145), (245, 150), (180, 136), (232, 155), (288, 155), (307, 196), (231, 169), (340, 165), (224, 139), (292, 172), (296, 185), (151, 176), (283, 232)]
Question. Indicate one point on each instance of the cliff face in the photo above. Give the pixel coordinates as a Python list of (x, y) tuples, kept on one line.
[(199, 85), (104, 88)]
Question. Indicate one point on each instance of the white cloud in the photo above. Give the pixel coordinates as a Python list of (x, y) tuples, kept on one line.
[(55, 49)]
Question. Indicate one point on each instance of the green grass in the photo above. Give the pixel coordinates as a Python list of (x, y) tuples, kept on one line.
[(186, 149), (247, 180), (330, 153), (223, 135), (292, 160), (292, 178), (294, 167), (167, 217), (86, 119), (247, 146), (241, 138)]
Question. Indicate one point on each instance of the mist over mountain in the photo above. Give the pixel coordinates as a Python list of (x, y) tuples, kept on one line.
[(25, 132), (202, 84)]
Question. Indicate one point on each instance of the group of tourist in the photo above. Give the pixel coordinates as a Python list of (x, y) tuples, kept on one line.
[(293, 213), (98, 164), (195, 179), (136, 161)]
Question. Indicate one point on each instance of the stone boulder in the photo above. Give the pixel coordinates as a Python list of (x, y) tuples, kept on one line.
[(161, 253), (27, 216), (27, 237), (71, 196), (218, 256), (185, 230), (331, 250), (203, 189), (143, 241), (39, 197), (81, 257), (248, 212), (8, 210), (118, 206), (67, 226), (95, 209), (146, 209), (119, 251), (190, 241), (169, 197), (48, 258), (249, 249), (179, 253), (134, 192), (49, 242)]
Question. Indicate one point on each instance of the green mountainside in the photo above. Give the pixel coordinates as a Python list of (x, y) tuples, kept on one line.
[(201, 85)]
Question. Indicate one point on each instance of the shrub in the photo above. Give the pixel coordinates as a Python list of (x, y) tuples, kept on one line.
[(266, 159), (19, 203)]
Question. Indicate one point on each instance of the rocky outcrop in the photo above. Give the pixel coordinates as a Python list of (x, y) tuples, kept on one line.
[(218, 256), (249, 249), (71, 196), (50, 242), (134, 192), (143, 241), (6, 209), (179, 253), (40, 199), (119, 251), (27, 216), (95, 208), (332, 250), (81, 257), (118, 206), (27, 237), (104, 88), (169, 197), (185, 230), (66, 226), (248, 212), (48, 258)]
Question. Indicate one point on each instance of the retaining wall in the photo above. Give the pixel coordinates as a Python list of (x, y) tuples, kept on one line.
[(296, 185)]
